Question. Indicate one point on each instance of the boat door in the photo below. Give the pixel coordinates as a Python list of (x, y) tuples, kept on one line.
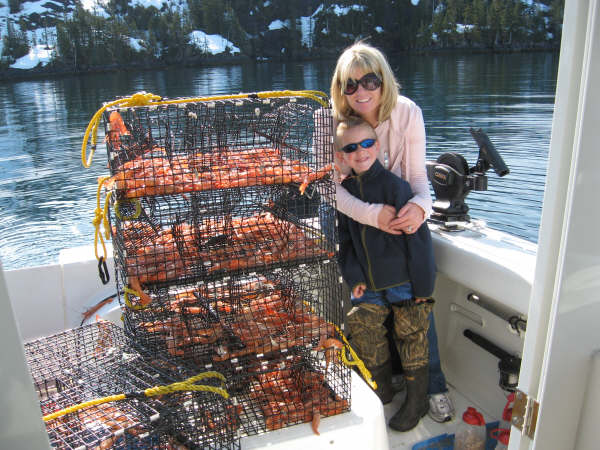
[(560, 372)]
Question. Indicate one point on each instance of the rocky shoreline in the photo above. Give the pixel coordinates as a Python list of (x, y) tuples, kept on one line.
[(54, 70)]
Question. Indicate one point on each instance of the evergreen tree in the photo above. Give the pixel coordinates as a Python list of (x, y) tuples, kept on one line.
[(494, 16), (451, 22), (213, 13), (89, 39), (196, 13), (14, 6), (15, 42), (556, 19)]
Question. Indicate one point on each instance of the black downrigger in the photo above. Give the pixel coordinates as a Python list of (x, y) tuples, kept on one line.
[(452, 180)]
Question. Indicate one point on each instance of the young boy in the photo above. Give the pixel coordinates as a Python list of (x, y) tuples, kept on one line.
[(385, 271)]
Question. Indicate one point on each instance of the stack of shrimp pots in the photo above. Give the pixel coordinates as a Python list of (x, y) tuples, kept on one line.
[(223, 227)]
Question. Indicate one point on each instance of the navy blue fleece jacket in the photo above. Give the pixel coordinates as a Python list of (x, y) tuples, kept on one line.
[(378, 259)]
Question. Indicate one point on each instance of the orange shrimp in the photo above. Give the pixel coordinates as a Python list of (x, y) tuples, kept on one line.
[(316, 420), (330, 345), (117, 129), (145, 299), (89, 312), (117, 124), (321, 173)]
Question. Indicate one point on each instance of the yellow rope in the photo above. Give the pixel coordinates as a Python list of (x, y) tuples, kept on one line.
[(356, 361), (139, 99), (126, 292), (101, 217), (186, 385), (138, 209), (145, 98), (72, 409)]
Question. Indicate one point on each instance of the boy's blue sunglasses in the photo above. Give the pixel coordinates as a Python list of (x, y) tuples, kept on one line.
[(366, 143)]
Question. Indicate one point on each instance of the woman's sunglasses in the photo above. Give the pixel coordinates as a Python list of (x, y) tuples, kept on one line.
[(366, 143), (370, 82)]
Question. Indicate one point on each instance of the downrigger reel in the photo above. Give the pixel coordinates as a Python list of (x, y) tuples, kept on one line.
[(452, 180)]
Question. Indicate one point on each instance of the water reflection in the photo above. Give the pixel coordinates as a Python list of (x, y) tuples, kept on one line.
[(47, 199)]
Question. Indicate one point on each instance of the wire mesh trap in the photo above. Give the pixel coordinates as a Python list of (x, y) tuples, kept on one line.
[(239, 319), (302, 386), (208, 145), (214, 187), (297, 389), (96, 397), (120, 425), (176, 239), (85, 363), (224, 237)]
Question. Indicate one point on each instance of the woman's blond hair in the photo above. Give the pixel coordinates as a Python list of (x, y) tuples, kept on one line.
[(366, 58)]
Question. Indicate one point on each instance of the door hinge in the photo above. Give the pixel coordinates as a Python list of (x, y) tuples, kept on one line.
[(525, 413)]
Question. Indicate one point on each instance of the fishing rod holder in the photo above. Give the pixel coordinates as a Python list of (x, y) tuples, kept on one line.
[(509, 365), (452, 180)]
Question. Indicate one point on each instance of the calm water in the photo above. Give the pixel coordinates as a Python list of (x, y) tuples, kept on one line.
[(47, 198)]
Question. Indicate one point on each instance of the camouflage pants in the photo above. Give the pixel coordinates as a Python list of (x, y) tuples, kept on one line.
[(367, 333)]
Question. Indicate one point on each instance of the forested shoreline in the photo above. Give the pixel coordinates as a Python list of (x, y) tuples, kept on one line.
[(133, 35)]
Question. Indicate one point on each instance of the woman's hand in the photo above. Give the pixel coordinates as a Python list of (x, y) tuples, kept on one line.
[(385, 219), (409, 219)]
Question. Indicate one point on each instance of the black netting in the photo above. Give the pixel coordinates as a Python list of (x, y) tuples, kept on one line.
[(262, 313), (225, 249), (97, 361)]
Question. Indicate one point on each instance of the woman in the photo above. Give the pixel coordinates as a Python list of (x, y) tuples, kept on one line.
[(364, 85)]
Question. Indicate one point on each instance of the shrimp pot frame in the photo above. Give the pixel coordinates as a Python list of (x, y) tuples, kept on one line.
[(208, 235), (125, 424), (291, 129), (239, 321), (98, 360), (289, 391), (87, 363), (274, 393)]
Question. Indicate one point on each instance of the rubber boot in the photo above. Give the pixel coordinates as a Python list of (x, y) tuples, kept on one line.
[(398, 382), (416, 404), (382, 375)]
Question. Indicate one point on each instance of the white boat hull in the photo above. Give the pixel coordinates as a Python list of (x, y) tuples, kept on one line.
[(496, 267)]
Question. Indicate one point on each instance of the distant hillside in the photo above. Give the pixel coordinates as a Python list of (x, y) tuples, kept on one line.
[(78, 36)]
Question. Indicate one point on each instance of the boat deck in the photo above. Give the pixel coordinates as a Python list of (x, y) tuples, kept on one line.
[(364, 426), (428, 428)]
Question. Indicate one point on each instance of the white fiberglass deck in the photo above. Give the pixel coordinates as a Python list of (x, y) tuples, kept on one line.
[(364, 427), (427, 428)]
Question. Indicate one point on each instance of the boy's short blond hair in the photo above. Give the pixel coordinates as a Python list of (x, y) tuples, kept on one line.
[(368, 59), (350, 124)]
